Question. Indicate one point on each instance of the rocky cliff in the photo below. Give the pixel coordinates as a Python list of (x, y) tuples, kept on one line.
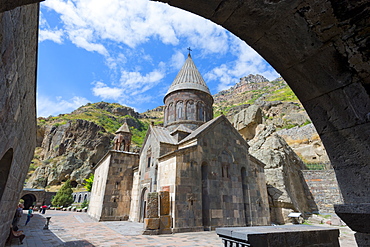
[(68, 151), (69, 145), (286, 186)]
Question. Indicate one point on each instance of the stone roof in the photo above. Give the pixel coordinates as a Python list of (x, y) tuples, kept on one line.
[(124, 128), (163, 135), (181, 128), (201, 129), (188, 78)]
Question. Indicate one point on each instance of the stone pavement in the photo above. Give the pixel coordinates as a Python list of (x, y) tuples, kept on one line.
[(77, 229)]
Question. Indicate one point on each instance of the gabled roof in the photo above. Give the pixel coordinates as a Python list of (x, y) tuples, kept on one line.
[(201, 129), (124, 128), (188, 78), (162, 135), (181, 128)]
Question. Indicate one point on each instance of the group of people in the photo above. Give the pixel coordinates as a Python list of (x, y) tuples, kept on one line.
[(15, 232)]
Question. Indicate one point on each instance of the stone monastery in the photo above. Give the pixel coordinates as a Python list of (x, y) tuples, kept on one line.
[(192, 174)]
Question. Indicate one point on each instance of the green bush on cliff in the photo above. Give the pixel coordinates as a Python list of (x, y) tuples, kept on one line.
[(64, 195)]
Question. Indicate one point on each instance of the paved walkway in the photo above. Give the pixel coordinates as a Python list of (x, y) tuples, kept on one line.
[(77, 229)]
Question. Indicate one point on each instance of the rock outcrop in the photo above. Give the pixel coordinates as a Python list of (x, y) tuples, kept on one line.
[(306, 143), (286, 186), (68, 152), (247, 120)]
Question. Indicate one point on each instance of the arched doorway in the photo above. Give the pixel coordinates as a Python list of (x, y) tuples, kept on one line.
[(5, 164), (29, 200), (144, 194)]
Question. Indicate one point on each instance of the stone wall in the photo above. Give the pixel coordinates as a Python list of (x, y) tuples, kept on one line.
[(111, 192), (216, 184), (18, 49), (117, 194), (98, 188), (324, 188)]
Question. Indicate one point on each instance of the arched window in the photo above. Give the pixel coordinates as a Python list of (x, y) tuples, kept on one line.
[(165, 115), (190, 110), (179, 110), (79, 198), (200, 112), (144, 194), (171, 113)]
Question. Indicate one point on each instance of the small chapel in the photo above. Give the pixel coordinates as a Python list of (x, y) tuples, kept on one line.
[(194, 173)]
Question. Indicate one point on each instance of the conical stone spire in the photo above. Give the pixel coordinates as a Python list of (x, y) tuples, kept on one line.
[(188, 78), (188, 101), (122, 140), (123, 129)]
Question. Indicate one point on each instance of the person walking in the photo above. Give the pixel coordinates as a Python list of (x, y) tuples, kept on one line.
[(43, 209), (29, 215)]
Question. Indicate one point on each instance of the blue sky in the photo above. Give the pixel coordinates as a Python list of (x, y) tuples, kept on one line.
[(129, 52)]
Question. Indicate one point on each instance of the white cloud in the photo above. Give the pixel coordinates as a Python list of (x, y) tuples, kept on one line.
[(133, 23), (177, 60), (134, 82), (53, 35), (47, 106), (102, 90), (248, 62)]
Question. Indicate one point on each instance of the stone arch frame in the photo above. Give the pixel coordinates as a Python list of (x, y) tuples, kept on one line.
[(5, 165), (200, 106), (321, 50), (190, 110), (165, 114), (143, 198), (179, 112), (171, 112), (328, 41), (29, 200)]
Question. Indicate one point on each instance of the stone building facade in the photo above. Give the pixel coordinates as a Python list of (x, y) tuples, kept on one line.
[(111, 192), (201, 163)]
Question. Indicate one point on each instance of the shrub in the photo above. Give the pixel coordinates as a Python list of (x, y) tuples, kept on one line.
[(64, 195)]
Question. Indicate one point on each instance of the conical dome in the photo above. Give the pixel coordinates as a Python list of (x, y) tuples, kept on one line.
[(188, 78), (123, 129), (188, 101)]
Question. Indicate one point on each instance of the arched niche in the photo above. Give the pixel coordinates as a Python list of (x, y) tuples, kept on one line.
[(29, 200)]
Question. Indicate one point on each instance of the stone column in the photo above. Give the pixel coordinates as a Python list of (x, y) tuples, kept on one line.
[(151, 223), (165, 217)]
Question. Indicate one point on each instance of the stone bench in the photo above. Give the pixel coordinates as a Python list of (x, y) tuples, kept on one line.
[(279, 236)]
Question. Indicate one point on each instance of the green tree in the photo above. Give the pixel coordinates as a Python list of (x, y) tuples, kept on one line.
[(89, 182), (85, 204), (64, 195)]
